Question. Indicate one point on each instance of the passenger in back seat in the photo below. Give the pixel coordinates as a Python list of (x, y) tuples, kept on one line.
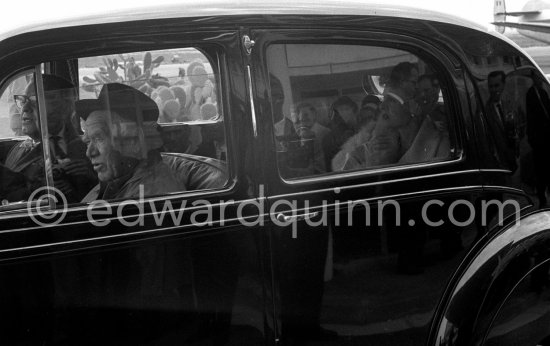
[(123, 141)]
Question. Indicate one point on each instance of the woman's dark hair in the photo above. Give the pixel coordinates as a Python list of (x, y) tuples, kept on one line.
[(370, 99), (305, 105), (345, 101), (400, 72)]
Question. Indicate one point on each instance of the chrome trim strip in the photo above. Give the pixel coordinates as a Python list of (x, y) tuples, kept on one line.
[(388, 197), (368, 172), (377, 183), (127, 234), (152, 231), (230, 185), (181, 209), (262, 215), (495, 170), (252, 107), (505, 189)]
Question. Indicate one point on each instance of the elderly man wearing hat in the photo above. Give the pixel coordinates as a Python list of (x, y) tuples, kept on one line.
[(73, 174), (120, 129)]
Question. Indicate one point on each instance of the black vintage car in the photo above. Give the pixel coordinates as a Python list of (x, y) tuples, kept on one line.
[(317, 174)]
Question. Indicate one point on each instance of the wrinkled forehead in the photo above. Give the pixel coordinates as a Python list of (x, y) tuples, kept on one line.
[(111, 123), (99, 120)]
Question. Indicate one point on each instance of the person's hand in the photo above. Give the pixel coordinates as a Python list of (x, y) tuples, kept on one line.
[(414, 108), (384, 149), (382, 142), (77, 168)]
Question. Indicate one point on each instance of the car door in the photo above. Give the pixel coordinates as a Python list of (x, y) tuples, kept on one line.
[(362, 250), (164, 266)]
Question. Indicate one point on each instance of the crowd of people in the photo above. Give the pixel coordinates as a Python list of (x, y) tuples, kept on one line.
[(406, 124)]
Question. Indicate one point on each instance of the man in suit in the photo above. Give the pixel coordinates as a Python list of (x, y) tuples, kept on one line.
[(502, 121), (538, 134), (72, 171)]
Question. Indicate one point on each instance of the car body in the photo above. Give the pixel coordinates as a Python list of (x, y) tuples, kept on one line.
[(271, 241)]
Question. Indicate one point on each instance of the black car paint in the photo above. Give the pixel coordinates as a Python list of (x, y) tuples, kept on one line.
[(22, 241)]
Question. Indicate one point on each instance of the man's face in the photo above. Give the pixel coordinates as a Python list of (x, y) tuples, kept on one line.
[(305, 118), (106, 160), (29, 118), (368, 112), (496, 87), (348, 114), (175, 139), (409, 85), (59, 105), (426, 93)]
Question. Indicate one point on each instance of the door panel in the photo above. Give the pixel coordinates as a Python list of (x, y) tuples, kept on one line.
[(165, 269), (354, 260)]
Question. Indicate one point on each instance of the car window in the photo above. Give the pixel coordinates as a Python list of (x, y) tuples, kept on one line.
[(137, 124), (348, 107), (182, 122), (21, 160)]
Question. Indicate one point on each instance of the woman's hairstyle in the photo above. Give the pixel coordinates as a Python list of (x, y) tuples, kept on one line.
[(400, 72), (345, 101)]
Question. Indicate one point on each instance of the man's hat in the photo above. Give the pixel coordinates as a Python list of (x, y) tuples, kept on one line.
[(137, 116), (131, 104)]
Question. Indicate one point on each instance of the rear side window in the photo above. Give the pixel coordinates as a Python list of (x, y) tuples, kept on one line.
[(343, 108)]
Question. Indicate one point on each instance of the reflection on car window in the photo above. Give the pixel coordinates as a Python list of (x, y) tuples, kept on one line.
[(159, 112), (338, 108), (181, 82)]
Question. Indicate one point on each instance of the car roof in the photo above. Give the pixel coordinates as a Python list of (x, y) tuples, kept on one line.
[(48, 14)]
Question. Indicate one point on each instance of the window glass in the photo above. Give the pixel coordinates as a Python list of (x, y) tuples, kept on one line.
[(10, 115), (158, 112), (137, 124), (21, 154), (22, 144), (340, 108)]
